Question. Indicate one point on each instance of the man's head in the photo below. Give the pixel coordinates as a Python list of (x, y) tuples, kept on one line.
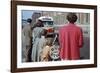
[(71, 17), (29, 20)]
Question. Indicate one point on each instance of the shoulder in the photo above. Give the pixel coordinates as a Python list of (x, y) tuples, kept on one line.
[(63, 27), (79, 28)]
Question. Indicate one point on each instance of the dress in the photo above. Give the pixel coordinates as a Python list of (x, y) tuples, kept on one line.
[(42, 43), (71, 40), (36, 41)]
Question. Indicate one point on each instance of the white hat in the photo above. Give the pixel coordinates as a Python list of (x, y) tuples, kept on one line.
[(45, 18)]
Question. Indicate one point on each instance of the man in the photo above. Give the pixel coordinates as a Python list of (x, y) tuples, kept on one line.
[(71, 39), (26, 40)]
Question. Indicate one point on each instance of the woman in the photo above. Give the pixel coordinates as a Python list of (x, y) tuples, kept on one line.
[(36, 40)]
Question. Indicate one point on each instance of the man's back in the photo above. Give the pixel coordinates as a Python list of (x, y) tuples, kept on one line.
[(27, 33), (72, 39)]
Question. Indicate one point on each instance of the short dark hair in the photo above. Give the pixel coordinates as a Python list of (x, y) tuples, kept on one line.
[(72, 17), (29, 20)]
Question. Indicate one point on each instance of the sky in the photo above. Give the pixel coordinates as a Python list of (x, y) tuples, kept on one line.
[(27, 13)]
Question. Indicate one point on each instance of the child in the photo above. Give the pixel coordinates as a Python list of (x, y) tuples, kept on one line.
[(45, 55)]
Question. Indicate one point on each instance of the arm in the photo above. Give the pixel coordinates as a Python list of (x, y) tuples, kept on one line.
[(80, 38), (60, 37)]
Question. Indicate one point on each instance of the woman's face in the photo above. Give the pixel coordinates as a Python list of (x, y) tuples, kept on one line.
[(39, 23)]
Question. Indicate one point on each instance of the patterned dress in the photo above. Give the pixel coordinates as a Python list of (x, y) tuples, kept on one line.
[(37, 44)]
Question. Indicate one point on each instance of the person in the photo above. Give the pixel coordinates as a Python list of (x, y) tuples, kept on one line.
[(26, 40), (36, 34), (71, 39), (45, 54)]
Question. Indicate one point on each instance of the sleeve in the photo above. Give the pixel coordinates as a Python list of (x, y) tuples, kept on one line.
[(60, 37), (30, 32), (33, 37), (23, 30), (81, 38)]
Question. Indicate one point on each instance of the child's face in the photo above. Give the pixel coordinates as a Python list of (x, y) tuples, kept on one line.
[(49, 41)]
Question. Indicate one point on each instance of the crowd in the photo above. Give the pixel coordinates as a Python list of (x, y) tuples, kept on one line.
[(36, 46)]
